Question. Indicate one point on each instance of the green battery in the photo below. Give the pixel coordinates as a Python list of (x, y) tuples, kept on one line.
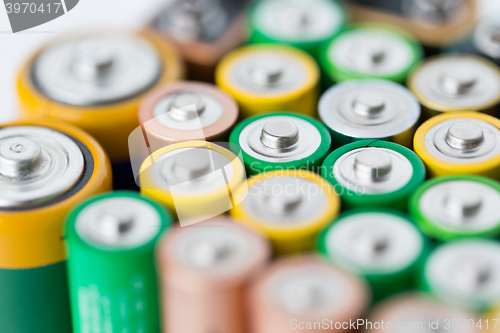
[(374, 173), (457, 206), (112, 277), (384, 246), (303, 24), (370, 51), (281, 141)]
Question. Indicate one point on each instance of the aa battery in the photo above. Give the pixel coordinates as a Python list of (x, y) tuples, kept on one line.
[(289, 206), (305, 25), (46, 168), (369, 109), (281, 141), (382, 246), (370, 52), (272, 77), (451, 83), (204, 272), (460, 143), (465, 273), (302, 292), (457, 206), (112, 278), (184, 111), (374, 173), (202, 31)]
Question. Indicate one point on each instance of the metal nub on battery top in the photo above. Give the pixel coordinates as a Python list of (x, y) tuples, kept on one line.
[(434, 11), (180, 108), (487, 38), (36, 165)]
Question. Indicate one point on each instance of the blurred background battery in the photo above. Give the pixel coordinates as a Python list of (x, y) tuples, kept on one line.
[(193, 178), (457, 206), (420, 312), (460, 143), (374, 173), (304, 289), (370, 52), (281, 140), (450, 83), (465, 273), (369, 109), (203, 31), (183, 111), (270, 77), (96, 81), (289, 206), (303, 24), (382, 246), (112, 278), (45, 169), (204, 271)]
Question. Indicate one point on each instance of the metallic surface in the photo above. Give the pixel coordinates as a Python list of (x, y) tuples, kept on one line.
[(487, 38)]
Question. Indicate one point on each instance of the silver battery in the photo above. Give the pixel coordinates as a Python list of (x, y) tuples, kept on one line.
[(374, 242), (97, 68), (297, 20), (487, 37), (280, 139), (463, 140), (372, 170), (118, 223), (369, 109), (371, 51), (36, 164), (461, 206), (465, 273), (456, 82)]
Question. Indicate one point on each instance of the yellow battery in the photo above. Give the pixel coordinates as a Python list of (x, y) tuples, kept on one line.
[(290, 206), (194, 179), (96, 81), (460, 143), (270, 77), (34, 204)]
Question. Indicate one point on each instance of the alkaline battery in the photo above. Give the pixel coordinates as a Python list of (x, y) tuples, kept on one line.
[(112, 278), (457, 206), (281, 141), (383, 246), (46, 168), (374, 173), (419, 312), (270, 77), (369, 109), (460, 143), (202, 31), (290, 207), (305, 292), (449, 83), (204, 272), (96, 81), (184, 111), (465, 273), (192, 178), (303, 24), (374, 52)]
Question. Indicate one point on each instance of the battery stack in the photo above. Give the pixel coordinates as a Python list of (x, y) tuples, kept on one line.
[(269, 166)]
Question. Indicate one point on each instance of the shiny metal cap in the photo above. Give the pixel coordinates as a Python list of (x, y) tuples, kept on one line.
[(36, 164), (487, 37), (374, 242), (280, 139), (465, 273), (96, 69), (463, 140), (371, 51), (118, 223), (434, 11), (369, 108), (298, 21), (461, 205), (372, 170)]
